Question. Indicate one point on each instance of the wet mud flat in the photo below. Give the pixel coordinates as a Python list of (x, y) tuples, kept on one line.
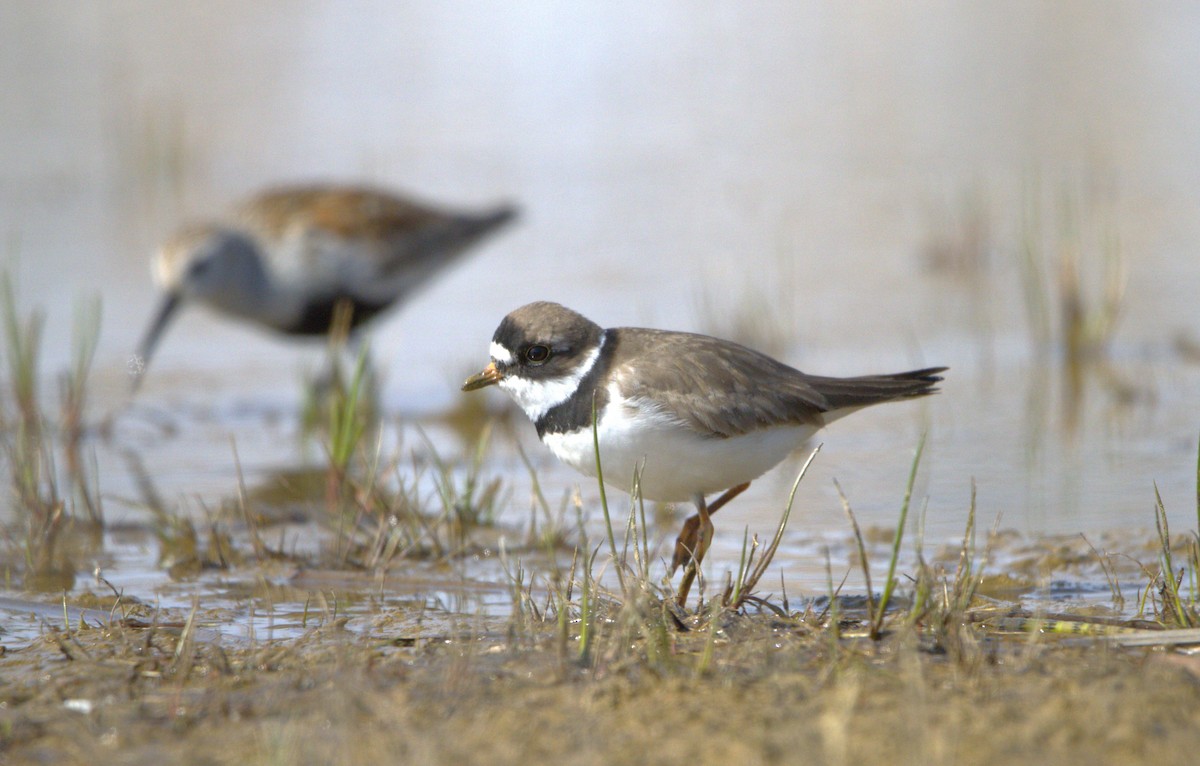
[(302, 628), (324, 618), (645, 683)]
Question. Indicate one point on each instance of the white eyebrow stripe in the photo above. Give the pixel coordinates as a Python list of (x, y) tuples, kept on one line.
[(500, 353)]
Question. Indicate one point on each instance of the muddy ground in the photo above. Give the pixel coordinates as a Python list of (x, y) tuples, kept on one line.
[(741, 689)]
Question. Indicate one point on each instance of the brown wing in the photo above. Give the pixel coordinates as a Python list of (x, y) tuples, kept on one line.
[(722, 389), (715, 387), (396, 234), (342, 210)]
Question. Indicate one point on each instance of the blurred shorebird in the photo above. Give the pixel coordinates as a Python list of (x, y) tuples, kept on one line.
[(287, 258)]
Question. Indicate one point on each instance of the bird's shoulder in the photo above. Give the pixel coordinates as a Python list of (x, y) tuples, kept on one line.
[(715, 387)]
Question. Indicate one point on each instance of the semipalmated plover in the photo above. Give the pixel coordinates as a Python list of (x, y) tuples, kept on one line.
[(287, 258), (692, 414)]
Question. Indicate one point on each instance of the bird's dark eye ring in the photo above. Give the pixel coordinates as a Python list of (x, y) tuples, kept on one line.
[(537, 354)]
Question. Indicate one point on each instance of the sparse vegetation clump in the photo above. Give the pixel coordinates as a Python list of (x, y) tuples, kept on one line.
[(579, 672), (41, 454), (1073, 271)]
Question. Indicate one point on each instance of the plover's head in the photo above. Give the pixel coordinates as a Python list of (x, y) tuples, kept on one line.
[(540, 354), (205, 263)]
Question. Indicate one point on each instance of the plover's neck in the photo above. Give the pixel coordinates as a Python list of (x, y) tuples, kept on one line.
[(574, 413), (544, 400)]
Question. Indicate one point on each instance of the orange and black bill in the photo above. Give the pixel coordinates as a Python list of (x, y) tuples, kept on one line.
[(489, 376)]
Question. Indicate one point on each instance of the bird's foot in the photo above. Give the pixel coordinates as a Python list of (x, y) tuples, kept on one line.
[(686, 544)]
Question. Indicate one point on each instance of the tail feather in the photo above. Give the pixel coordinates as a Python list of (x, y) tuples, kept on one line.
[(478, 225), (846, 393)]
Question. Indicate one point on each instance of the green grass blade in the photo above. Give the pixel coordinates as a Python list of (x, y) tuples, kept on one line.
[(612, 540), (890, 583)]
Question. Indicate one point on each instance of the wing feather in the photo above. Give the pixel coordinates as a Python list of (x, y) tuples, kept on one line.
[(721, 389), (715, 387)]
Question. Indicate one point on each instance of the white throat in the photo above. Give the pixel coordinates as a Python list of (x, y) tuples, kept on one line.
[(537, 397)]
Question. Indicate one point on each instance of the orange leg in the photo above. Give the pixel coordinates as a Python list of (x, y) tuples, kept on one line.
[(696, 536)]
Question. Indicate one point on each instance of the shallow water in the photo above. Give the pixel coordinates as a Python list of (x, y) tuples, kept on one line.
[(808, 166)]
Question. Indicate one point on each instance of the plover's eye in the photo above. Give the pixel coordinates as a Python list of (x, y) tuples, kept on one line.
[(537, 354)]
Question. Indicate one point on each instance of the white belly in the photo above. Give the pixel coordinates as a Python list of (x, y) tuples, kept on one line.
[(676, 464)]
